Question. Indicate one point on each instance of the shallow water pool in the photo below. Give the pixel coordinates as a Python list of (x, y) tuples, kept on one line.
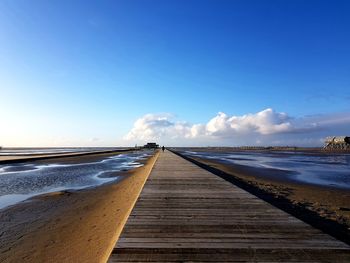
[(332, 170), (19, 182)]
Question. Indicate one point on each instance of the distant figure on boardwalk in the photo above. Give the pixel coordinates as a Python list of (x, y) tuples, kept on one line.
[(163, 148)]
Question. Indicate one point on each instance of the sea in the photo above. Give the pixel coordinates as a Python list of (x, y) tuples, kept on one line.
[(21, 181)]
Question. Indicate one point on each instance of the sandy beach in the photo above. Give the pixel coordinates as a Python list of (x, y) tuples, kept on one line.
[(71, 226), (18, 158), (324, 207)]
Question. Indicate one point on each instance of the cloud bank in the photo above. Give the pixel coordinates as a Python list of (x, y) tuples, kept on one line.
[(266, 127)]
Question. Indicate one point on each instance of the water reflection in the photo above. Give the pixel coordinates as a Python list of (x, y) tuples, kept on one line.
[(36, 151), (21, 181), (328, 169)]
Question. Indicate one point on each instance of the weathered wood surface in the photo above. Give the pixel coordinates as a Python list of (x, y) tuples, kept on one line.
[(186, 214)]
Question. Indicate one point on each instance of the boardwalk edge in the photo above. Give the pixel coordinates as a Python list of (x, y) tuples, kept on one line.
[(148, 169), (332, 228)]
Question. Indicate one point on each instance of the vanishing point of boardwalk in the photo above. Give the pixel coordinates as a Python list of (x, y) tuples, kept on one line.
[(186, 214)]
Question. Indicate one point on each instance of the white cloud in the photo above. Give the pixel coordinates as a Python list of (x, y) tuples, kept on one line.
[(152, 127), (264, 127), (264, 122)]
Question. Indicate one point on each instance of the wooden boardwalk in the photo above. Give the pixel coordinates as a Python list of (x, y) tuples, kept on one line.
[(186, 214)]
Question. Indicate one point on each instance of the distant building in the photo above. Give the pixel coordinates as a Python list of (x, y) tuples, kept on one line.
[(151, 145), (337, 143)]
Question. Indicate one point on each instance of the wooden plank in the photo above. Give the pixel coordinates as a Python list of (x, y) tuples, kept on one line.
[(186, 214)]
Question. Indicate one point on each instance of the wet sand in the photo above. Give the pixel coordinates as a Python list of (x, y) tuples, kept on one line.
[(70, 226), (34, 157), (329, 207)]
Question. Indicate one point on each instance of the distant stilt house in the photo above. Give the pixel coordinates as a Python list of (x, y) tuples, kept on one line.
[(337, 143), (151, 145)]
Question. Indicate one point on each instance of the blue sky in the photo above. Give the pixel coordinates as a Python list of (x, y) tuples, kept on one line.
[(80, 73)]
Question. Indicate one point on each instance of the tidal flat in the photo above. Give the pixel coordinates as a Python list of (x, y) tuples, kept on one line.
[(74, 205)]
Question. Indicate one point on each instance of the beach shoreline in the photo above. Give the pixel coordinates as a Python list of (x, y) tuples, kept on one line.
[(71, 226), (9, 159)]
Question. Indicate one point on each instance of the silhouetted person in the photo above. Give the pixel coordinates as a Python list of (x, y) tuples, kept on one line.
[(163, 148)]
